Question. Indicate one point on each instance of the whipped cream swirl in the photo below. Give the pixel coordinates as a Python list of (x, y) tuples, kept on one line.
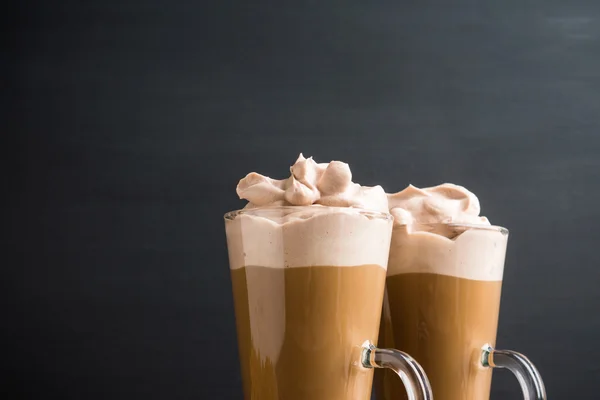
[(327, 184), (438, 204)]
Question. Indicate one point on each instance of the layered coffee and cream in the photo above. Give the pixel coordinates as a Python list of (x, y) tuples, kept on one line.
[(308, 281), (443, 290)]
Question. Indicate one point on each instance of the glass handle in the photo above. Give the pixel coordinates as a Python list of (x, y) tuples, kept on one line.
[(528, 376), (412, 374)]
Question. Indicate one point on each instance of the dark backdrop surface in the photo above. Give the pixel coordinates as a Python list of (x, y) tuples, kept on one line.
[(135, 120)]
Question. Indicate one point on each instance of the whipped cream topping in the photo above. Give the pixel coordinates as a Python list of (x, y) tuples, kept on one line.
[(423, 242), (327, 184), (438, 204)]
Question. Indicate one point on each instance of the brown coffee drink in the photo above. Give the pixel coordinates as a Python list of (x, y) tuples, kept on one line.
[(442, 321), (442, 306), (442, 291), (299, 327), (308, 264), (308, 286)]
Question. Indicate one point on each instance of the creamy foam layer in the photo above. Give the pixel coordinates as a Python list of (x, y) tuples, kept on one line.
[(328, 184), (310, 236), (439, 230), (474, 253)]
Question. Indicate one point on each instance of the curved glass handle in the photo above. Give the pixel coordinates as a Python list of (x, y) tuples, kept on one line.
[(528, 376), (412, 374)]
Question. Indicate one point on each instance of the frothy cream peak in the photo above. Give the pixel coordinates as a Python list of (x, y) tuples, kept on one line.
[(328, 184), (438, 204)]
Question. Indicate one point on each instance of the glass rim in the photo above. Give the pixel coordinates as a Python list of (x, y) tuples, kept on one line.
[(482, 227), (231, 215)]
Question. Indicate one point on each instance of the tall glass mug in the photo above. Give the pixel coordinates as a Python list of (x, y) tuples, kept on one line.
[(442, 304), (308, 285)]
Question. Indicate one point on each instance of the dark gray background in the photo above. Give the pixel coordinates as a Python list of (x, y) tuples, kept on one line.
[(133, 122)]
